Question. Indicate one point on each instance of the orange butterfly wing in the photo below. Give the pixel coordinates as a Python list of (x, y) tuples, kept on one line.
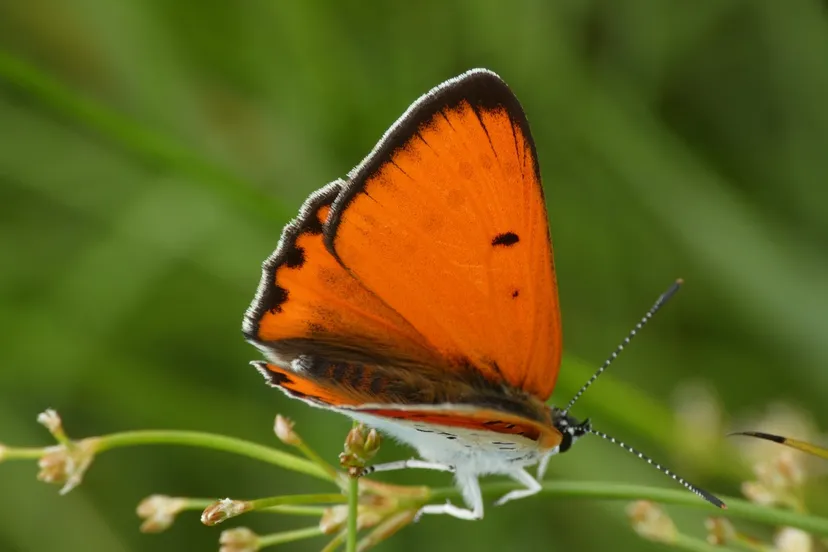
[(360, 388), (445, 221), (307, 303)]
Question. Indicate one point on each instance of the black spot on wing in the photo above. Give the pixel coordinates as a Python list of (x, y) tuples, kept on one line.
[(338, 371), (278, 378), (271, 295), (276, 298), (313, 225), (515, 293), (377, 384), (355, 373), (295, 257), (274, 379), (506, 239), (350, 374)]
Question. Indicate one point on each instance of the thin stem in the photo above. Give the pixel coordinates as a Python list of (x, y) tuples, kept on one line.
[(387, 528), (269, 502), (212, 441), (353, 513), (312, 511), (353, 503), (197, 504), (285, 505), (335, 542), (22, 453), (288, 536), (312, 455), (736, 508)]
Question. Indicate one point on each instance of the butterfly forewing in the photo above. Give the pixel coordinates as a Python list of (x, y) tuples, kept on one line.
[(446, 222), (308, 303)]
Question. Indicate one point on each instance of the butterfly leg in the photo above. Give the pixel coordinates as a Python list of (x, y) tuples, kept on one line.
[(405, 464), (523, 477), (472, 495), (544, 463)]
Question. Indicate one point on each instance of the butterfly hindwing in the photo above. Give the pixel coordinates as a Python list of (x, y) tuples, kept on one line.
[(357, 388)]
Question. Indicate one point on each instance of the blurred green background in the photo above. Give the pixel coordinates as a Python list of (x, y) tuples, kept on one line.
[(150, 152)]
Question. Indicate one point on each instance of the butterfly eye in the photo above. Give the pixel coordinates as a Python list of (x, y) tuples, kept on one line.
[(566, 442)]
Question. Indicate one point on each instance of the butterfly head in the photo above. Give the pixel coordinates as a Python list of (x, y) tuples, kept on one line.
[(570, 428)]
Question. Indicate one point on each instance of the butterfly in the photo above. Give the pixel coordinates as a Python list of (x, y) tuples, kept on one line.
[(418, 295)]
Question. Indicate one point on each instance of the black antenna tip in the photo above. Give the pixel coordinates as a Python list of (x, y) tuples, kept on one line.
[(760, 435), (712, 499), (671, 291)]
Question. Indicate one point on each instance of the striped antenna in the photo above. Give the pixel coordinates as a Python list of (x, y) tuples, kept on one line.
[(663, 298), (680, 480)]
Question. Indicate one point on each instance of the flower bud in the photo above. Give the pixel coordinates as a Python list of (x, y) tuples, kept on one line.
[(361, 445), (789, 539), (372, 444), (67, 465), (158, 512), (283, 427), (50, 419), (719, 531), (238, 539), (758, 493), (651, 522), (223, 510)]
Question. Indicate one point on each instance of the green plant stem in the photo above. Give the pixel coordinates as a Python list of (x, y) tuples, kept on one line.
[(334, 543), (269, 502), (312, 511), (212, 441), (736, 508), (22, 453), (353, 513), (288, 536), (200, 504), (197, 504), (386, 529), (311, 455), (135, 139)]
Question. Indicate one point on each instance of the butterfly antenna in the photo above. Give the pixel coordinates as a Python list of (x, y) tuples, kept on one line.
[(680, 480), (663, 298)]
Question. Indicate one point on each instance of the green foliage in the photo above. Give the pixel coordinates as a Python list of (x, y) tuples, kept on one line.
[(151, 152)]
